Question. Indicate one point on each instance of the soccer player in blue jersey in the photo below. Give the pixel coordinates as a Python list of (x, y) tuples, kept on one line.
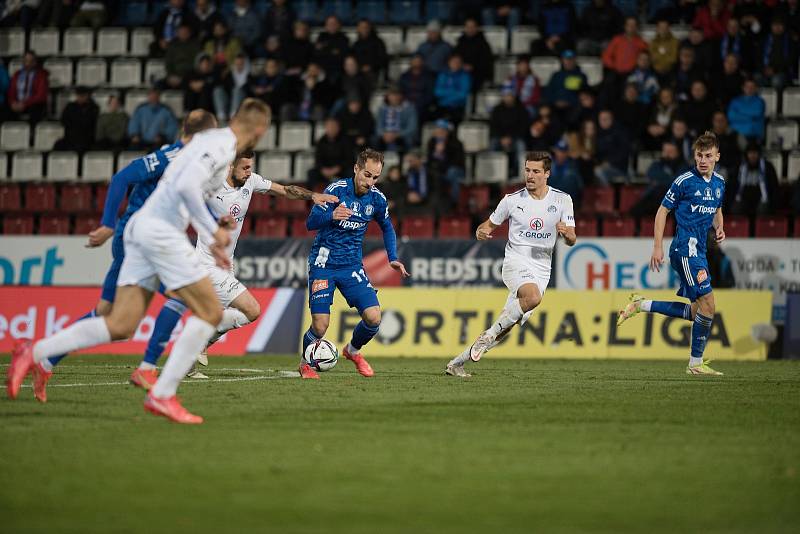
[(696, 198), (140, 176), (335, 261)]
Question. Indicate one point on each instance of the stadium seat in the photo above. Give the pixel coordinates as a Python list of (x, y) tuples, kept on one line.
[(277, 227), (154, 71), (126, 72), (100, 194), (303, 162), (12, 41), (770, 96), (3, 165), (427, 132), (75, 198), (174, 101), (390, 159), (619, 227), (586, 227), (86, 222), (124, 159), (26, 166), (113, 42), (275, 166), (60, 70), (40, 197), (441, 10), (455, 228), (97, 166), (372, 10), (53, 225), (19, 224), (497, 37), (544, 67), (62, 166), (474, 199), (777, 227), (790, 105), (397, 67), (776, 158), (647, 227), (793, 166), (91, 72), (141, 38), (78, 42), (491, 167), (405, 12), (485, 102), (737, 226), (373, 231), (299, 230), (629, 195), (521, 38), (503, 68), (420, 227), (44, 41), (500, 233), (474, 136), (261, 204), (268, 141), (15, 135), (797, 227), (415, 36), (644, 160), (10, 198), (782, 134), (592, 67), (288, 206), (375, 102), (294, 136), (392, 37), (46, 134), (133, 99), (598, 200)]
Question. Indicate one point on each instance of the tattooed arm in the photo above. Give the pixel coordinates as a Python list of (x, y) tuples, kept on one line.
[(295, 192)]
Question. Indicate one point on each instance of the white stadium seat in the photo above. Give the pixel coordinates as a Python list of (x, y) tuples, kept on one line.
[(375, 102), (126, 72), (303, 162), (776, 158), (544, 67), (782, 134), (126, 157), (770, 96), (643, 161), (63, 97), (133, 98), (491, 167), (46, 134), (3, 165), (78, 42), (319, 130), (503, 68), (791, 102), (592, 67), (174, 101), (474, 136), (12, 41), (154, 71), (113, 42), (91, 72), (15, 135), (451, 34), (415, 36), (521, 38), (397, 67), (485, 102), (793, 167), (275, 166), (268, 141), (393, 39), (60, 70), (44, 41), (497, 37), (100, 97), (62, 166), (97, 166), (427, 133), (140, 41), (294, 136), (26, 166), (390, 159)]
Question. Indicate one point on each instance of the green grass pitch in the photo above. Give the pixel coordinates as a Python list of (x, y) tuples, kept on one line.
[(522, 446)]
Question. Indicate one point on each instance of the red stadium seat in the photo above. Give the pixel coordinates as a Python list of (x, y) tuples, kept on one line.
[(647, 224), (474, 199), (40, 197), (100, 194), (586, 226), (737, 226), (598, 200), (512, 188), (417, 227), (10, 198), (18, 224), (53, 224), (374, 230), (772, 227), (272, 227), (291, 207), (455, 227), (629, 195), (75, 198), (247, 227), (299, 229), (619, 227), (261, 205), (86, 223), (797, 227), (500, 233)]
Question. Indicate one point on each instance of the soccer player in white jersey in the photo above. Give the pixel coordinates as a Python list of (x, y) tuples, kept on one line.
[(537, 215), (240, 306), (157, 250)]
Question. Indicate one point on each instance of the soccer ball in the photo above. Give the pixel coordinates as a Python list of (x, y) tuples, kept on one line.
[(321, 355)]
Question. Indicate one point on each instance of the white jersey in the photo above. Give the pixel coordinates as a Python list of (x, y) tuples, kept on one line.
[(532, 223), (190, 180), (232, 201)]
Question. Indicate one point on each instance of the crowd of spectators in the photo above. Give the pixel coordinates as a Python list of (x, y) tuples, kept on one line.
[(655, 95)]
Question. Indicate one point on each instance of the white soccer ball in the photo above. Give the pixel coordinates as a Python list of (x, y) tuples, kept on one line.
[(321, 355)]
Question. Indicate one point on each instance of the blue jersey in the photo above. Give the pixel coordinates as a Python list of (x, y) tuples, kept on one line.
[(339, 243), (695, 201), (143, 175)]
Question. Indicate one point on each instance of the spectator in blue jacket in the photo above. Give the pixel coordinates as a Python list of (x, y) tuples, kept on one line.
[(452, 89), (434, 50), (152, 124), (746, 112), (562, 91), (397, 123)]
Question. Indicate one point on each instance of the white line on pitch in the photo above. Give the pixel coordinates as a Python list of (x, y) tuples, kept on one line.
[(282, 374)]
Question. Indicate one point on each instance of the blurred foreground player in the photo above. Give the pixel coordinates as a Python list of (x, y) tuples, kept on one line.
[(537, 215), (335, 261), (696, 197), (157, 250)]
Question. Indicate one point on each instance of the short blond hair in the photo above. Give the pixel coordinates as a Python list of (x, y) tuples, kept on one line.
[(250, 106)]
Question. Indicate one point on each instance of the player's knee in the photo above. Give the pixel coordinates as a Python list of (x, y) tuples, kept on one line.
[(103, 308), (319, 325), (529, 302), (120, 328), (372, 316)]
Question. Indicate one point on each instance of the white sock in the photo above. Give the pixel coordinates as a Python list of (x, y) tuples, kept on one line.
[(694, 362), (192, 340), (231, 319), (46, 365), (645, 305), (80, 335), (510, 316), (461, 359), (146, 366)]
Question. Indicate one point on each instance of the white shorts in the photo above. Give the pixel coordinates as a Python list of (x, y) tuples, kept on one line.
[(520, 271), (155, 252), (227, 287)]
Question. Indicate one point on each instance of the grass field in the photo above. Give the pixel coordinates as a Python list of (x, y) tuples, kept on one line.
[(522, 446)]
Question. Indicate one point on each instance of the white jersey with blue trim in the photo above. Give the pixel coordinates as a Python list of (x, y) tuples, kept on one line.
[(695, 202)]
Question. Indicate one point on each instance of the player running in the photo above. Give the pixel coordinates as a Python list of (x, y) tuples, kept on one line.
[(537, 215), (335, 258), (696, 197), (142, 174), (157, 250), (241, 307)]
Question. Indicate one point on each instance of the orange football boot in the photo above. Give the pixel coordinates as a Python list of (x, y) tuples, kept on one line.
[(21, 364), (144, 378), (40, 378), (306, 371), (361, 364), (170, 408)]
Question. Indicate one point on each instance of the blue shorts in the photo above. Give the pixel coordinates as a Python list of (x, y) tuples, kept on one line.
[(110, 283), (352, 282), (694, 276)]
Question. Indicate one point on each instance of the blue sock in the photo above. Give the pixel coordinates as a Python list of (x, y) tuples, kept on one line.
[(55, 359), (308, 338), (700, 330), (165, 323), (362, 334), (672, 309)]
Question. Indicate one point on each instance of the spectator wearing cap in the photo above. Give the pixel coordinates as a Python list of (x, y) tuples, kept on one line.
[(508, 124), (434, 50), (564, 173), (613, 150), (167, 24), (417, 85), (79, 119), (370, 51), (564, 86), (712, 20), (331, 48), (599, 23), (660, 175), (356, 122), (663, 49), (452, 89), (180, 57), (755, 187), (644, 78), (333, 156), (152, 124), (397, 125), (747, 112), (476, 53), (112, 126), (28, 90), (526, 85), (779, 55), (445, 155), (245, 24), (620, 55)]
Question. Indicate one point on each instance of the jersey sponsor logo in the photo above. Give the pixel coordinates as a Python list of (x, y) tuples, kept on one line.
[(702, 275), (352, 225), (235, 210), (319, 285), (670, 196), (703, 209), (151, 162), (536, 224), (369, 210), (551, 209)]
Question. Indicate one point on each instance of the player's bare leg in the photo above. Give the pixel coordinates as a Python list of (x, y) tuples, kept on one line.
[(319, 325), (242, 311), (362, 334)]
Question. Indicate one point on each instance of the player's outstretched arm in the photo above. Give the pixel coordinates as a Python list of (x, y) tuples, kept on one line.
[(657, 258), (718, 223), (133, 173), (295, 192), (484, 231)]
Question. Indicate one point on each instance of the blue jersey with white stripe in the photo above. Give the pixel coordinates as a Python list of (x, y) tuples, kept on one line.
[(339, 244), (694, 201)]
